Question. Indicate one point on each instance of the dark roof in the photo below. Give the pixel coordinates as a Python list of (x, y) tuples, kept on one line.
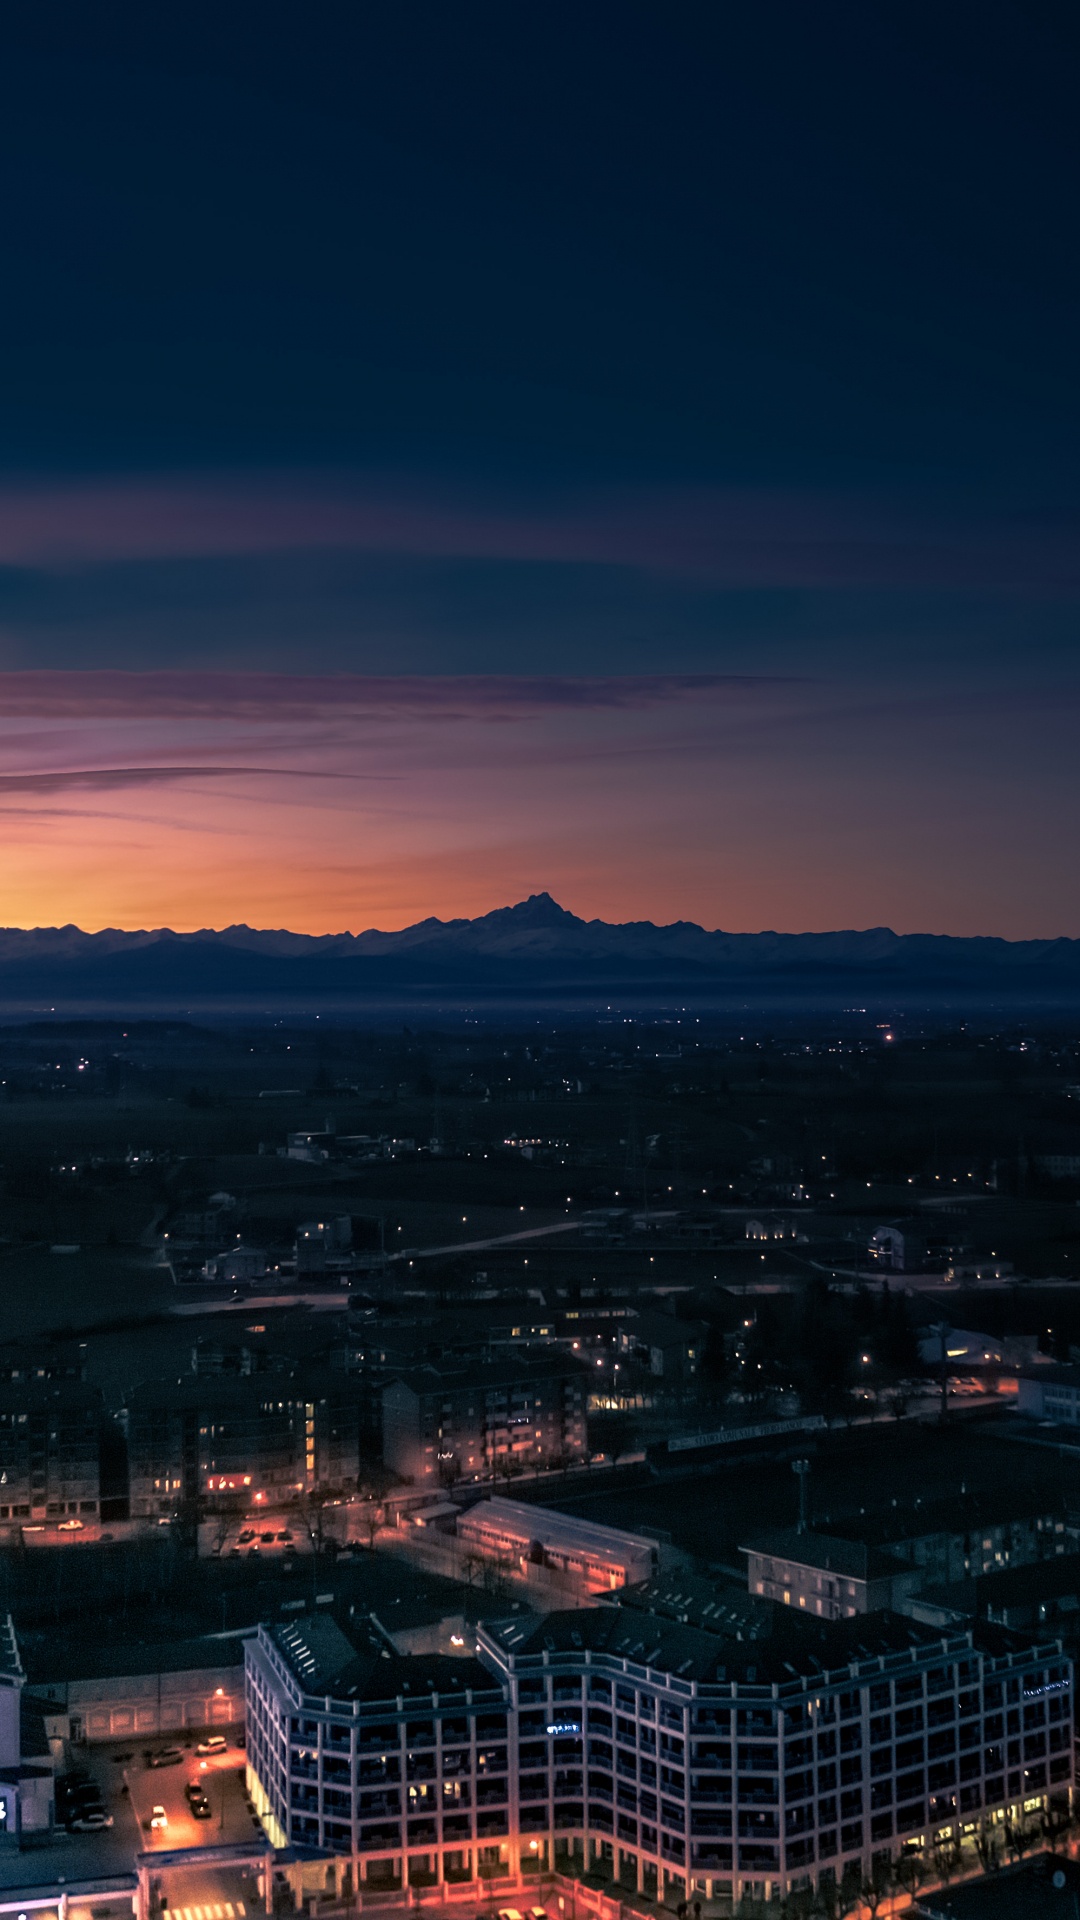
[(1046, 1888), (954, 1514), (851, 1559), (474, 1376), (358, 1666), (211, 1651), (1013, 1586), (1054, 1375), (714, 1606), (798, 1646)]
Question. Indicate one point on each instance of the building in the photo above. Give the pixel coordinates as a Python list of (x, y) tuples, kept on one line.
[(951, 1539), (324, 1245), (832, 1579), (50, 1454), (239, 1441), (110, 1693), (376, 1758), (26, 1763), (666, 1760), (592, 1558), (444, 1423), (1050, 1393), (898, 1249), (237, 1266), (1039, 1598), (671, 1349)]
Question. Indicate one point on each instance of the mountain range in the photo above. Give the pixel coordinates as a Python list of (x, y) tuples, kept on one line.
[(533, 948)]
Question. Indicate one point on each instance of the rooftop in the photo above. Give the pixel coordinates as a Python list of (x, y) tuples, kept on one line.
[(851, 1559), (324, 1659), (798, 1648), (714, 1606), (554, 1529), (478, 1376), (210, 1652)]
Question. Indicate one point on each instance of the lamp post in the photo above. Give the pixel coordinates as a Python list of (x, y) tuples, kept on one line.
[(802, 1469)]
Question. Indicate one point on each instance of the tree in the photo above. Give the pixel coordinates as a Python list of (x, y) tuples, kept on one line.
[(986, 1847), (1019, 1838), (910, 1871), (876, 1886), (946, 1857), (1055, 1822)]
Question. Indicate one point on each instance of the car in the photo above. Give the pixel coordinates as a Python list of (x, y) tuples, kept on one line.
[(285, 1538), (87, 1795), (246, 1537), (121, 1759), (509, 1913), (165, 1757), (92, 1820), (214, 1743), (158, 1817), (536, 1913), (83, 1810), (202, 1809)]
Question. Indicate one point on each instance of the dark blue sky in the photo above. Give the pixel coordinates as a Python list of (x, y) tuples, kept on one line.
[(603, 339)]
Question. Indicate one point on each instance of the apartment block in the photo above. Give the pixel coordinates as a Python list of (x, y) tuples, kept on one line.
[(50, 1452), (239, 1441), (446, 1423)]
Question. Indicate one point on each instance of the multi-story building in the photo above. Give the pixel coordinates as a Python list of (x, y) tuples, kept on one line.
[(446, 1423), (396, 1765), (244, 1441), (830, 1578), (50, 1452), (1050, 1393), (660, 1757)]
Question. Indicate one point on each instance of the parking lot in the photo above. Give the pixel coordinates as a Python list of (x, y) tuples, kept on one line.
[(219, 1775)]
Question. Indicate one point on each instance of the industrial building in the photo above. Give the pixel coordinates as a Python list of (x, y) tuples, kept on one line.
[(593, 1558)]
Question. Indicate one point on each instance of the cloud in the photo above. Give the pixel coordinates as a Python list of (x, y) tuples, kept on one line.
[(742, 537), (93, 694), (113, 779)]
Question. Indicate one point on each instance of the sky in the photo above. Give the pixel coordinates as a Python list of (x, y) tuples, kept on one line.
[(450, 452)]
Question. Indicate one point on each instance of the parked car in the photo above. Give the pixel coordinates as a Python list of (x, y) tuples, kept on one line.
[(158, 1817), (92, 1820), (165, 1757), (214, 1743)]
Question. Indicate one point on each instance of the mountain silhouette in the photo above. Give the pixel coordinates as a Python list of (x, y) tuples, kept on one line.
[(535, 947)]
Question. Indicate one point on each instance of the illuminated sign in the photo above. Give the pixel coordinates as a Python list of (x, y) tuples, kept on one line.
[(564, 1726)]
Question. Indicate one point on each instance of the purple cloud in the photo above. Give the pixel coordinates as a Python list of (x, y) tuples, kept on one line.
[(736, 537), (86, 695)]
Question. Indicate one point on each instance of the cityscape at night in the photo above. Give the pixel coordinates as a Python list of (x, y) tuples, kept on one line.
[(539, 962)]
